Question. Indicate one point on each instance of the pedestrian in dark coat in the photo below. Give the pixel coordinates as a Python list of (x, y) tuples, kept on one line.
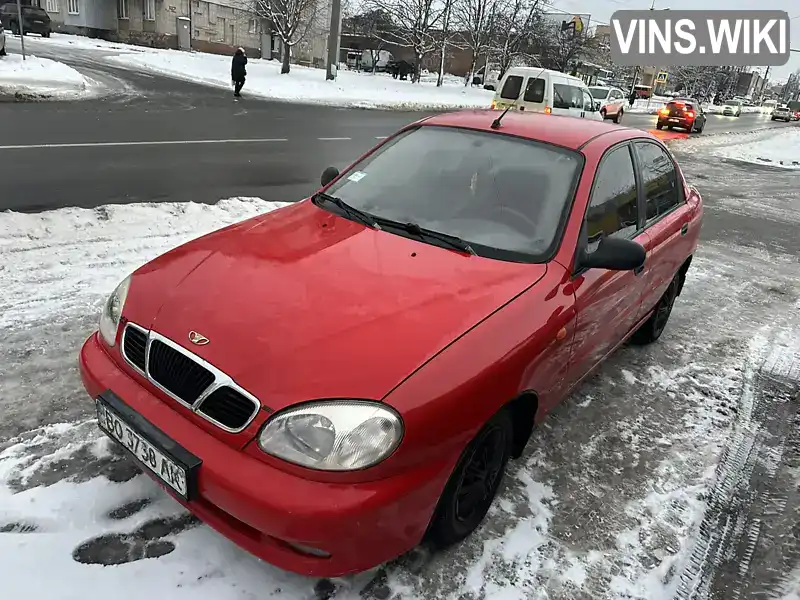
[(238, 71), (632, 98)]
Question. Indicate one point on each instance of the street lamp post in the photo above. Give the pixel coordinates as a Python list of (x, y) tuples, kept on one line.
[(20, 26)]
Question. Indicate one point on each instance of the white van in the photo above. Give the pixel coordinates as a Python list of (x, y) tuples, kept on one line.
[(545, 91)]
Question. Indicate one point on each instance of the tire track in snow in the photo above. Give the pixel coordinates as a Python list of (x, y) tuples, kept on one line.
[(742, 549)]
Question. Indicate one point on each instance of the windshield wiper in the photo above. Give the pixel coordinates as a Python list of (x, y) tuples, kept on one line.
[(413, 228), (362, 217)]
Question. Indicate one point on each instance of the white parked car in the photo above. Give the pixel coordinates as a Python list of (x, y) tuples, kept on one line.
[(610, 101), (2, 40), (533, 89)]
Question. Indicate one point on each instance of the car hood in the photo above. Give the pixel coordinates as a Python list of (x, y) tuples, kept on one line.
[(301, 304)]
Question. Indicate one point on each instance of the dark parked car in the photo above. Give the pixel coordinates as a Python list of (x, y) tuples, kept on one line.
[(685, 113), (34, 19)]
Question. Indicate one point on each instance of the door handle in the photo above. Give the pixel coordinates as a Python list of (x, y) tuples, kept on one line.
[(684, 229)]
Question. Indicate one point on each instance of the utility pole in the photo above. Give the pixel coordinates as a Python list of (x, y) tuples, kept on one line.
[(334, 39), (20, 28)]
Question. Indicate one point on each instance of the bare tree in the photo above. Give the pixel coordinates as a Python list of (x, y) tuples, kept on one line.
[(414, 26), (447, 18), (512, 28), (561, 49), (476, 20), (291, 20), (698, 81)]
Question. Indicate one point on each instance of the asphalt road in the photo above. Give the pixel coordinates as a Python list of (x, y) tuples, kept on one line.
[(153, 138)]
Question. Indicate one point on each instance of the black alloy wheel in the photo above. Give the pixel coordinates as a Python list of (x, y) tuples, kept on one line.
[(652, 329), (473, 484)]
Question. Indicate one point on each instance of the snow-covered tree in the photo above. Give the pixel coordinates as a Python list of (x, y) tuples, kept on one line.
[(291, 20), (475, 19), (415, 23)]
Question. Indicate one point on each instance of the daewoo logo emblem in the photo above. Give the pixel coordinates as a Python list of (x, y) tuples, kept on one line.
[(198, 339)]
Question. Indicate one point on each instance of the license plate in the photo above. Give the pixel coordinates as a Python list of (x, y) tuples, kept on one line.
[(674, 120), (178, 475)]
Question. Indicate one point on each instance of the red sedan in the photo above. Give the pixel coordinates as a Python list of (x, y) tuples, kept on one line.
[(332, 383)]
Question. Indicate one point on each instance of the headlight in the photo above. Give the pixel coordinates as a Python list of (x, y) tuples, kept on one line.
[(333, 435), (112, 311)]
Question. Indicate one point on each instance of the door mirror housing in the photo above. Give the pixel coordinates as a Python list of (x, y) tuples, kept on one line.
[(614, 254), (328, 175)]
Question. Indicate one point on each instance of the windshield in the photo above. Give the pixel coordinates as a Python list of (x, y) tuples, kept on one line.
[(34, 10), (503, 195), (735, 103), (599, 93)]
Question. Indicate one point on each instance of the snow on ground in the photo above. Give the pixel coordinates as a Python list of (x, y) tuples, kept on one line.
[(302, 84), (308, 85), (604, 504), (769, 146), (41, 78), (656, 103)]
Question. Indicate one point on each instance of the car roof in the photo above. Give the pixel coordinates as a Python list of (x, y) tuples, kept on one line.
[(682, 99), (568, 132), (539, 72)]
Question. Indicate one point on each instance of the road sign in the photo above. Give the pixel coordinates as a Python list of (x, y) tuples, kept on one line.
[(662, 77)]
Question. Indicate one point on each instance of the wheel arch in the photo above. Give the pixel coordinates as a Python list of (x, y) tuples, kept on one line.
[(523, 408), (682, 272)]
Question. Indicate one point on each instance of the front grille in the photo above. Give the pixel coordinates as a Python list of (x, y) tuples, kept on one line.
[(134, 345), (178, 373), (228, 407)]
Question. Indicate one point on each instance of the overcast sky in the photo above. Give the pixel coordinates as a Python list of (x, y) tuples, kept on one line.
[(601, 11)]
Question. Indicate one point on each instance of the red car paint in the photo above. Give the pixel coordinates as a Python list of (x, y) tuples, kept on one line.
[(302, 304)]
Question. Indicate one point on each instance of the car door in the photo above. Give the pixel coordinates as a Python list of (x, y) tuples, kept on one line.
[(607, 302), (617, 100), (567, 99), (667, 218), (588, 111)]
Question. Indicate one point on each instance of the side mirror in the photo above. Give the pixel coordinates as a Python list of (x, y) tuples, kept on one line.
[(615, 254), (328, 175)]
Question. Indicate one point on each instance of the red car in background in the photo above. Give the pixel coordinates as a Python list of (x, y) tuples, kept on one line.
[(334, 382)]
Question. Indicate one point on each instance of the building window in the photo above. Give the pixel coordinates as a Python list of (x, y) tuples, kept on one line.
[(149, 10), (52, 6), (73, 7), (122, 9), (252, 27)]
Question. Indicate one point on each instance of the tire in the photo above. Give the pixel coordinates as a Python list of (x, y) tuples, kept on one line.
[(14, 28), (603, 114), (450, 523), (659, 126), (46, 34), (652, 329), (618, 116)]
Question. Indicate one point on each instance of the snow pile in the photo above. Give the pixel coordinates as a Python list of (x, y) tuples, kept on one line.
[(113, 239), (40, 78), (656, 103), (308, 85), (776, 146)]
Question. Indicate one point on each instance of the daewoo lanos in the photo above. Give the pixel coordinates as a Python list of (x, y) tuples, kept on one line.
[(332, 383)]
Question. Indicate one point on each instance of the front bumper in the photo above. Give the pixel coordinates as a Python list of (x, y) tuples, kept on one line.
[(265, 510)]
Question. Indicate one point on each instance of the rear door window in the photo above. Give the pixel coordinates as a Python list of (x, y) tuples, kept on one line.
[(511, 88), (659, 179), (534, 91)]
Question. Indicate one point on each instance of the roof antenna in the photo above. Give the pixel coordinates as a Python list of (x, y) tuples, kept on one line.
[(496, 122)]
